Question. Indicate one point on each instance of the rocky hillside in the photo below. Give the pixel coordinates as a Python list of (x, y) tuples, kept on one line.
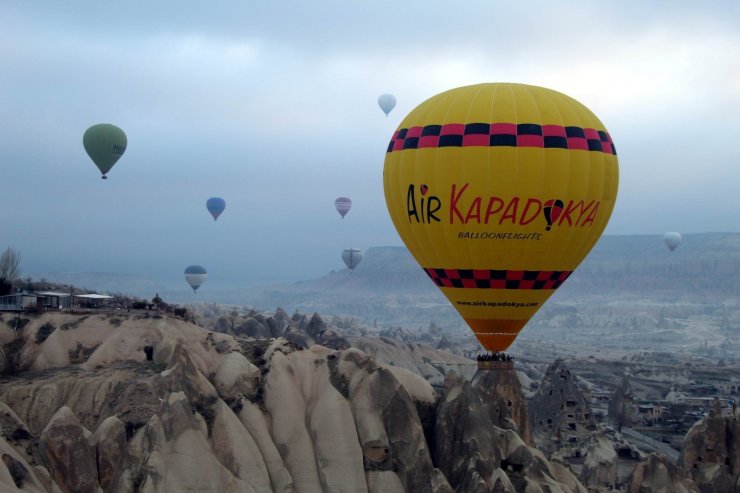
[(133, 402)]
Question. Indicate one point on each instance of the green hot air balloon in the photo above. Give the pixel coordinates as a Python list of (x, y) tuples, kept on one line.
[(105, 144)]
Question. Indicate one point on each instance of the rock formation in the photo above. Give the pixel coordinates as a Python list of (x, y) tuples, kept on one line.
[(430, 363), (559, 411), (657, 474), (298, 329), (93, 410), (461, 414), (622, 410), (476, 442), (711, 451), (600, 464)]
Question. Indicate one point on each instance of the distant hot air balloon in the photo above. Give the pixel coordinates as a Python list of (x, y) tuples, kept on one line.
[(195, 275), (672, 240), (105, 144), (352, 257), (387, 102), (499, 191), (215, 206), (343, 205)]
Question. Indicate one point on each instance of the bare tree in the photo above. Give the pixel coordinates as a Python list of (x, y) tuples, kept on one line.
[(10, 262)]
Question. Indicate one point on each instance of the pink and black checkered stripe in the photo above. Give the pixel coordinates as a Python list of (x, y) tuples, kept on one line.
[(502, 134), (497, 279)]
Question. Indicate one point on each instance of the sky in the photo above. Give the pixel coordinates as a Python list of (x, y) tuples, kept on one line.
[(273, 106)]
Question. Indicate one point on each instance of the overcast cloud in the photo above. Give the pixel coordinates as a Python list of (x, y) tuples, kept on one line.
[(272, 105)]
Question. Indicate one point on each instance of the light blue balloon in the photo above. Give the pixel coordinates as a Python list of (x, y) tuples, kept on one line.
[(215, 206), (387, 102)]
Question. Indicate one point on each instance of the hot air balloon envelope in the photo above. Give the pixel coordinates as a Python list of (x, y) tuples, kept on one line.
[(215, 206), (105, 144), (195, 275), (343, 205), (352, 257), (672, 240), (387, 102), (499, 191)]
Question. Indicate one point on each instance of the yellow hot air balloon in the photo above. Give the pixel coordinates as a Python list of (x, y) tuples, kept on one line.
[(499, 191)]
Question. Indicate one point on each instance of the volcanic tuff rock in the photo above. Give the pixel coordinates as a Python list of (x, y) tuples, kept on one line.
[(213, 413), (658, 475), (445, 343), (711, 451), (430, 363), (298, 329), (507, 408), (398, 333), (625, 448), (600, 465), (110, 440), (476, 444), (70, 452), (559, 409), (621, 406)]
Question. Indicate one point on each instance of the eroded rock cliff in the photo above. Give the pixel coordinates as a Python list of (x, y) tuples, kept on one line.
[(89, 410), (711, 451)]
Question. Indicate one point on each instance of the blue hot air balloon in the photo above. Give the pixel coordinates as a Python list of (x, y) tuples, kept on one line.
[(215, 206)]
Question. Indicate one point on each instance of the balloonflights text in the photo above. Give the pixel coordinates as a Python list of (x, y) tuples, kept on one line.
[(493, 235), (466, 208)]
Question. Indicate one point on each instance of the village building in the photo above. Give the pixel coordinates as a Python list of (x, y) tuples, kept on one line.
[(18, 302), (52, 300)]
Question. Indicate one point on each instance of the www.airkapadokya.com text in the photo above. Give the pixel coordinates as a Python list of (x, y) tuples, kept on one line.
[(494, 304)]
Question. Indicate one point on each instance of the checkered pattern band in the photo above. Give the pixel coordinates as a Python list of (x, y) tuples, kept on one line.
[(502, 134), (497, 279)]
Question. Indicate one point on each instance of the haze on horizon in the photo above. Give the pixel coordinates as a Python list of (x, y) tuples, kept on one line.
[(274, 107)]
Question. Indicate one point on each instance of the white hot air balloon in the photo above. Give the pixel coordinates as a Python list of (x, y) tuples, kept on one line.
[(387, 102), (672, 240), (195, 275)]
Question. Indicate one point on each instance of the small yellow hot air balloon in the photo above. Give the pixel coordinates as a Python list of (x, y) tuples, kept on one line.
[(499, 191)]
